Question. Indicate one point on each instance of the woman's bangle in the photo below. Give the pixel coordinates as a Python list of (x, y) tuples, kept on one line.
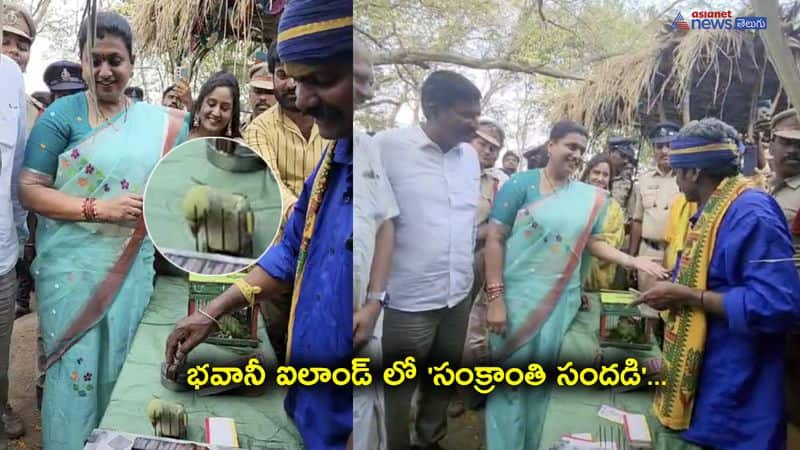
[(491, 297), (89, 209), (702, 301), (494, 287)]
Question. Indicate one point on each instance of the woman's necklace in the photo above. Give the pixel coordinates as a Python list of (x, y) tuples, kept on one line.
[(550, 182), (103, 117)]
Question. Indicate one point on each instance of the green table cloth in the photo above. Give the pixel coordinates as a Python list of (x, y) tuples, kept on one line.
[(261, 422), (574, 409), (188, 166)]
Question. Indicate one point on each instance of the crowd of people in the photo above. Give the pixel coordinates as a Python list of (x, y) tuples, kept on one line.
[(455, 258)]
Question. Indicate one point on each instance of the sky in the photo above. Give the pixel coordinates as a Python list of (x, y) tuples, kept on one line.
[(37, 64)]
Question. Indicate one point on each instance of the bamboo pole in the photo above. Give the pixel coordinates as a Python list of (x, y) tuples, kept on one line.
[(779, 53)]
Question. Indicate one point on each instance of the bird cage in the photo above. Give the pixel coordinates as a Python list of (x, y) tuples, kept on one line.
[(624, 326), (239, 328)]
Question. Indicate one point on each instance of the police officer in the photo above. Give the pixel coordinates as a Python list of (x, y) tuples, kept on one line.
[(19, 31), (622, 155), (785, 150), (262, 91), (64, 78), (652, 196)]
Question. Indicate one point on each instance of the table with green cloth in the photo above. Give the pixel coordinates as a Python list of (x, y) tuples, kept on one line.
[(261, 422), (574, 409)]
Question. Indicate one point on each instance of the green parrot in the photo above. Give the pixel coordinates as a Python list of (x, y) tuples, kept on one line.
[(203, 205), (168, 419)]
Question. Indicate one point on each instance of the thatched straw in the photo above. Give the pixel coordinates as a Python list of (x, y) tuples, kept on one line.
[(627, 90), (613, 89), (705, 50), (166, 26)]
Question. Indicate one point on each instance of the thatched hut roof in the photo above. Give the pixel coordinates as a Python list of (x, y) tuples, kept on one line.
[(720, 73), (184, 26)]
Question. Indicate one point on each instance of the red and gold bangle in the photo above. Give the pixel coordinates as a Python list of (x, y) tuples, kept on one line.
[(491, 297), (490, 287), (89, 209)]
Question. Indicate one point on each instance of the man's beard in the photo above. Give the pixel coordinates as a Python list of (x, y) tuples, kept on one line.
[(325, 113), (288, 101)]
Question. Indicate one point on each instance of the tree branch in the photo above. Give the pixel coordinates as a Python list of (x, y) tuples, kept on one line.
[(545, 20), (40, 11), (421, 58), (380, 101), (368, 36)]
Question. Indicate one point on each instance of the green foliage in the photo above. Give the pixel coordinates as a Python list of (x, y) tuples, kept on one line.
[(566, 36)]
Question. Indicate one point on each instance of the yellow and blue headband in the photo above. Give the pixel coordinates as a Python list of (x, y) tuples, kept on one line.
[(316, 32), (693, 152)]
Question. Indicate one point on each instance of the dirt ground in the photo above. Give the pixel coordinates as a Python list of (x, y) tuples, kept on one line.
[(22, 377), (465, 432)]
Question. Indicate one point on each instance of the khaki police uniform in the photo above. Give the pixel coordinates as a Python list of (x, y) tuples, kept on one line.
[(787, 194), (653, 195)]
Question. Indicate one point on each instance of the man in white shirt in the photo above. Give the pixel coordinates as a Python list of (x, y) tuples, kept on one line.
[(12, 216), (436, 181), (374, 209)]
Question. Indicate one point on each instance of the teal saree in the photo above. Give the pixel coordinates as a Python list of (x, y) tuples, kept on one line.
[(73, 259), (544, 261)]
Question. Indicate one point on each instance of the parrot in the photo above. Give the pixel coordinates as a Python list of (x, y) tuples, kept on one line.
[(168, 419), (203, 205)]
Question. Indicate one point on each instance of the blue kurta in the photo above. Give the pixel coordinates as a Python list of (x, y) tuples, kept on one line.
[(740, 396), (323, 325)]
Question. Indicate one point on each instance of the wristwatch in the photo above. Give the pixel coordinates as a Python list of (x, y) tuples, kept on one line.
[(380, 297)]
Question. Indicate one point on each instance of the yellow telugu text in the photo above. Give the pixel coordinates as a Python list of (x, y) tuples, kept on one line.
[(484, 379)]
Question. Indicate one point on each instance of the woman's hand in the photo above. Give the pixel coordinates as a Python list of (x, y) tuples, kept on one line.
[(650, 267), (496, 316), (125, 208), (184, 94)]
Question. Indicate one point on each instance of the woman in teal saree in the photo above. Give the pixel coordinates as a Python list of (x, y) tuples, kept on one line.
[(95, 145), (537, 251)]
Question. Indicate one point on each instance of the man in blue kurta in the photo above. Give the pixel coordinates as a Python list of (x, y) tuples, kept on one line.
[(314, 257), (736, 295)]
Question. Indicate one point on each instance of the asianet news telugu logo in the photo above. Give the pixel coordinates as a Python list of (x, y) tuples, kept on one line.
[(718, 20)]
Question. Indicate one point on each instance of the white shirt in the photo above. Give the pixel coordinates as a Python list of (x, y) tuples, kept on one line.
[(435, 233), (374, 203), (12, 153)]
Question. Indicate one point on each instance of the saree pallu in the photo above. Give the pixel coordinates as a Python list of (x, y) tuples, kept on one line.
[(73, 258), (544, 265)]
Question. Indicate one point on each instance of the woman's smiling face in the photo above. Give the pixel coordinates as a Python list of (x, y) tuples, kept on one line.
[(111, 65), (216, 111)]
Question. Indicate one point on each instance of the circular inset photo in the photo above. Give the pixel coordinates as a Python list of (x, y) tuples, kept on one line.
[(212, 206)]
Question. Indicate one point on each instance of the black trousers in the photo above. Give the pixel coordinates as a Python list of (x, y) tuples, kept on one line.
[(24, 282)]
